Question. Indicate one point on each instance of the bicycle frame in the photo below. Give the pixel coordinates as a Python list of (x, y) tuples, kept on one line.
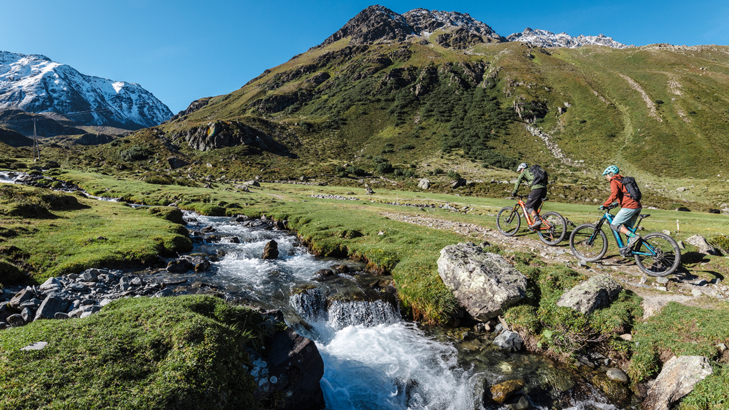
[(522, 204), (618, 239)]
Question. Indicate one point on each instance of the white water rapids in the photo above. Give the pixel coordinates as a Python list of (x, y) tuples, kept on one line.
[(372, 358)]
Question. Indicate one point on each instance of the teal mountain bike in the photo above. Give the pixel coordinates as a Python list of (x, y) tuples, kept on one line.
[(656, 254)]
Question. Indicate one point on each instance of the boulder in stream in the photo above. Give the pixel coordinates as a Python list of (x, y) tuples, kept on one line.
[(678, 378), (595, 293), (270, 251), (483, 283), (503, 391), (294, 370)]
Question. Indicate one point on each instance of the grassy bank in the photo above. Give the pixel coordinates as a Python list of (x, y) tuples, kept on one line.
[(151, 353), (48, 234)]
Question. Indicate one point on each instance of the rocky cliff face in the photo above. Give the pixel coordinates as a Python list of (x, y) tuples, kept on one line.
[(543, 38), (378, 23), (425, 22), (36, 84)]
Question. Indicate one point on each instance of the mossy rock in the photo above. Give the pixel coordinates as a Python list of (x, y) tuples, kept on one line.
[(30, 210), (11, 274), (350, 234), (504, 390), (616, 392), (210, 210), (169, 213)]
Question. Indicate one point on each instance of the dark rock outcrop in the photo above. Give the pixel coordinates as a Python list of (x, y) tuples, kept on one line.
[(293, 370)]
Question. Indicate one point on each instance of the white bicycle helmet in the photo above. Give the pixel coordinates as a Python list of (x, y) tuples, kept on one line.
[(521, 166)]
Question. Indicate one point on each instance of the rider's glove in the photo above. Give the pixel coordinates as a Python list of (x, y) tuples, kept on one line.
[(601, 208)]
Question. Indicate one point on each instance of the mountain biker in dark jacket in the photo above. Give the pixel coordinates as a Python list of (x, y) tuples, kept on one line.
[(536, 196), (629, 207)]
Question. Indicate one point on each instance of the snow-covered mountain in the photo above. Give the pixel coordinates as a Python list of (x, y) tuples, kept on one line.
[(34, 83), (543, 38)]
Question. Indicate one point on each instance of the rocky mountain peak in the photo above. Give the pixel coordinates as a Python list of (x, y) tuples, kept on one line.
[(378, 23), (544, 38), (373, 24), (425, 22)]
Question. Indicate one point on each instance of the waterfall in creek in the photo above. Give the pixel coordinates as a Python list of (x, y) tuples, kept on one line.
[(373, 359)]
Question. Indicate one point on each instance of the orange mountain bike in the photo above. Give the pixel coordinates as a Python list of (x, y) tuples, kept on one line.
[(552, 230)]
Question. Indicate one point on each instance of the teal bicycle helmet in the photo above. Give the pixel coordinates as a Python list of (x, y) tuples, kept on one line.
[(612, 169)]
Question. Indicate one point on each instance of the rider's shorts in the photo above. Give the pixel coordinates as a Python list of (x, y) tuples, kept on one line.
[(626, 216), (535, 199)]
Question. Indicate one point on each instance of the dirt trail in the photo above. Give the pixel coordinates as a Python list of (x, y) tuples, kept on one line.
[(681, 287)]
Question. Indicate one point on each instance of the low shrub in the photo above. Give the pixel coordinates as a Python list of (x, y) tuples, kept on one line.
[(134, 153)]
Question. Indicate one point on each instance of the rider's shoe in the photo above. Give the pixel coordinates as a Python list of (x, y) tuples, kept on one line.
[(536, 224), (632, 241)]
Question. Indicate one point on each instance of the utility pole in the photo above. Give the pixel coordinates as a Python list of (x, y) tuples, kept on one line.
[(36, 146)]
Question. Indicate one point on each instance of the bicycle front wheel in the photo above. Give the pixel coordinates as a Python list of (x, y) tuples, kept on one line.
[(657, 254), (588, 244), (553, 229), (508, 221)]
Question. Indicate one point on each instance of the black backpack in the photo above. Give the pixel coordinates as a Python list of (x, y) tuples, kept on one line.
[(632, 187), (540, 175)]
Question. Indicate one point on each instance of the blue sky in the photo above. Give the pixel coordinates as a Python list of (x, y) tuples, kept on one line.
[(184, 50)]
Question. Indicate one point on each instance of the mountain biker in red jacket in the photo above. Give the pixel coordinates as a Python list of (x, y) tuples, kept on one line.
[(629, 207)]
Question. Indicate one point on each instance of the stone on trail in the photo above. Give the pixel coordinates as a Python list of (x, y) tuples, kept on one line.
[(424, 183), (593, 294), (677, 379), (700, 242), (483, 283), (50, 283), (21, 297)]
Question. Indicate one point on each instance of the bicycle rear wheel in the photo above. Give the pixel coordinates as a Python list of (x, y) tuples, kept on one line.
[(660, 254), (588, 244), (556, 231), (508, 221)]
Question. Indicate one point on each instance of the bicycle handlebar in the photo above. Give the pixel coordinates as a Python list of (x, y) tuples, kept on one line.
[(609, 207)]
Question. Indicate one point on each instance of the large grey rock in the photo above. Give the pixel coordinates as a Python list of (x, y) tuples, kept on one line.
[(700, 242), (677, 379), (50, 306), (21, 297), (510, 341), (50, 284), (15, 320), (483, 283), (593, 294), (27, 315), (424, 183)]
